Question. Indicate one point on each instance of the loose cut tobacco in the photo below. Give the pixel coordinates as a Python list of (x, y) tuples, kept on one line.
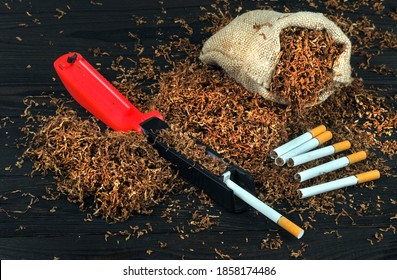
[(304, 68), (189, 147), (120, 173), (243, 127)]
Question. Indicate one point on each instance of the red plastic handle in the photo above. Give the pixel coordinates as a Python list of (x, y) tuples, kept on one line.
[(92, 91)]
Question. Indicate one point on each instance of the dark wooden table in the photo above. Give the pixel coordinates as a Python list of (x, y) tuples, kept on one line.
[(33, 34)]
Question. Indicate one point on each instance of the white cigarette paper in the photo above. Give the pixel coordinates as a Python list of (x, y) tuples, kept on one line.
[(319, 153), (305, 147), (262, 207), (330, 166), (340, 183), (297, 141)]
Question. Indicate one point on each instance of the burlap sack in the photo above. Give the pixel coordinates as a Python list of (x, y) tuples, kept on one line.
[(248, 47)]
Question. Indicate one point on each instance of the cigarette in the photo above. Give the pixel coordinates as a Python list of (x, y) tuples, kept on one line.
[(319, 153), (305, 147), (297, 141), (330, 166), (341, 183), (263, 208)]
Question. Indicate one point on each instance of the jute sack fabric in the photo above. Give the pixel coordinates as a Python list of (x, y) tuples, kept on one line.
[(248, 48)]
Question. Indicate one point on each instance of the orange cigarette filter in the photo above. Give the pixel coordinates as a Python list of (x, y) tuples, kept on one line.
[(290, 227), (342, 146), (368, 176), (356, 157), (324, 137), (318, 130)]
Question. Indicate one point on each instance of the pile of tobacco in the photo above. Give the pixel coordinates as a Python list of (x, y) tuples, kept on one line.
[(122, 174), (119, 172)]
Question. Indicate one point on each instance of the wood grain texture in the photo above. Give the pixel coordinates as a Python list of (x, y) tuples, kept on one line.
[(33, 227)]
